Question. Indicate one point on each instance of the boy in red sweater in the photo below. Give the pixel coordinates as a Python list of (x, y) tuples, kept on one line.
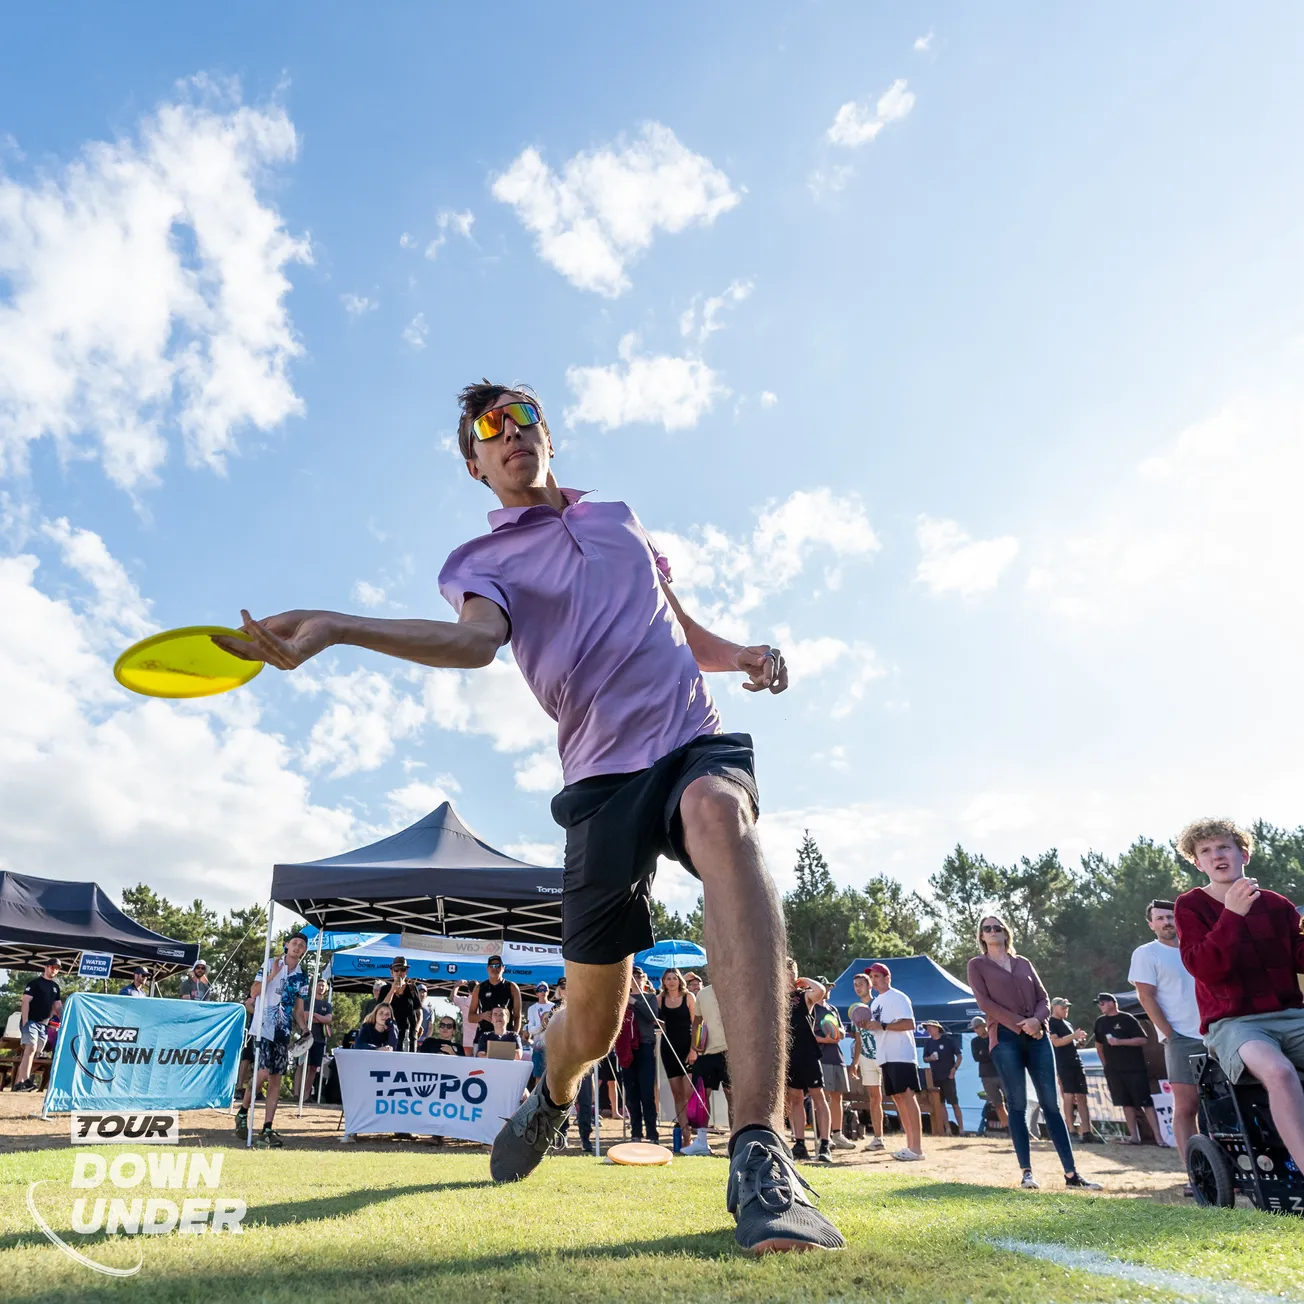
[(1245, 948)]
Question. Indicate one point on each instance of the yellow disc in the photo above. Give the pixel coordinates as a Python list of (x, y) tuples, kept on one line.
[(184, 663), (639, 1154)]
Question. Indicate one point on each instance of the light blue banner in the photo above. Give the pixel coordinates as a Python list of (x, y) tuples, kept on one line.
[(122, 1052)]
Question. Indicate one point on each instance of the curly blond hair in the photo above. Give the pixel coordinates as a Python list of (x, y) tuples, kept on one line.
[(1199, 831)]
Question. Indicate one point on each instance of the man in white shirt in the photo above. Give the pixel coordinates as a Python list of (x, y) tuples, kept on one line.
[(708, 1059), (1167, 991), (892, 1018)]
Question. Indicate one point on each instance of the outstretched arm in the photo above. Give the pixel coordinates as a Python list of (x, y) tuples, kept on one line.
[(290, 639), (763, 665)]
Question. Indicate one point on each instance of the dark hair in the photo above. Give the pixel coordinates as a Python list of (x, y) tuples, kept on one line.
[(477, 399), (1159, 905)]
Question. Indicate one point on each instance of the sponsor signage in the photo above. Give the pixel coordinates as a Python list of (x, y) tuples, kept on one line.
[(95, 964), (447, 945), (114, 1129), (434, 1095), (121, 1053)]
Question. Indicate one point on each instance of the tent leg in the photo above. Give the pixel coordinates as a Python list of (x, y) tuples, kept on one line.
[(258, 1025), (312, 1009)]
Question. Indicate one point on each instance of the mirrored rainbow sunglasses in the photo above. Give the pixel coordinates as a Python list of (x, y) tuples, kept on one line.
[(489, 425)]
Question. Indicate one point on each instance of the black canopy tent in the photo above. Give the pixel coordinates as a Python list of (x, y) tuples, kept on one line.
[(44, 918), (435, 877)]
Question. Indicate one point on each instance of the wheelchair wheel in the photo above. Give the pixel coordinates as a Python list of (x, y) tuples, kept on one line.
[(1211, 1174)]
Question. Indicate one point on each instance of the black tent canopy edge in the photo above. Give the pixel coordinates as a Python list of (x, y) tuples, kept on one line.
[(49, 919), (436, 876)]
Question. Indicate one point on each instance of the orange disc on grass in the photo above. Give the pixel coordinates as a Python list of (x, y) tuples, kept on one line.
[(639, 1154)]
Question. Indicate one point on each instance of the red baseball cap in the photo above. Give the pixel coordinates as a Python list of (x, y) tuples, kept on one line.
[(880, 968)]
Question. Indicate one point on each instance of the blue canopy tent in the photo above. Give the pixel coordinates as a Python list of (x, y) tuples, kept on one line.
[(523, 963), (670, 954)]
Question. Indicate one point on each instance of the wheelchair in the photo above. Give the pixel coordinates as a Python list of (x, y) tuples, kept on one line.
[(1238, 1149)]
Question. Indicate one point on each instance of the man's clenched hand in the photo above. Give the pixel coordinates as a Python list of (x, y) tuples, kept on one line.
[(764, 667)]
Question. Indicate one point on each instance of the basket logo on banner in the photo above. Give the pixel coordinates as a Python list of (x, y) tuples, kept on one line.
[(123, 1053), (434, 1095)]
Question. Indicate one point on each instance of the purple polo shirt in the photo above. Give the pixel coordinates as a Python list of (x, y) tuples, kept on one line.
[(591, 630)]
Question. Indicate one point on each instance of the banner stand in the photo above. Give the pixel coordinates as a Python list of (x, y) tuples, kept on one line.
[(312, 1013), (258, 1027)]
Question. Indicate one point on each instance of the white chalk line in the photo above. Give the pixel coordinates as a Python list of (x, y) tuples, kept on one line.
[(1180, 1283)]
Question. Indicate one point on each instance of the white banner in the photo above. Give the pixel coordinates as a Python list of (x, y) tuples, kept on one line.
[(1163, 1101), (434, 1095)]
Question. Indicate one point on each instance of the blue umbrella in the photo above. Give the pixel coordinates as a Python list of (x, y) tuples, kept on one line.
[(673, 953)]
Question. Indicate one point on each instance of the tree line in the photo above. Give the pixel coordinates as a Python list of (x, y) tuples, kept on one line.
[(1078, 924)]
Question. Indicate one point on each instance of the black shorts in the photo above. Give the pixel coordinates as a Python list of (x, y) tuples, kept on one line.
[(1073, 1079), (805, 1075), (617, 825), (1130, 1090), (713, 1070), (899, 1078), (247, 1052), (317, 1053), (945, 1087)]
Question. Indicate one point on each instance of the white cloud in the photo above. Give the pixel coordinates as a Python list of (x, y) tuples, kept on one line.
[(923, 44), (547, 854), (952, 562), (655, 389), (127, 788), (855, 124), (693, 327), (447, 220), (405, 241), (1210, 518), (416, 799), (415, 332), (144, 288), (606, 206), (370, 595), (540, 771), (118, 608), (857, 664), (826, 181), (358, 305), (367, 715), (768, 398), (722, 578)]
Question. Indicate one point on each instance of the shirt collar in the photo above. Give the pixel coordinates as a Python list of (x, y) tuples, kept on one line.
[(503, 516)]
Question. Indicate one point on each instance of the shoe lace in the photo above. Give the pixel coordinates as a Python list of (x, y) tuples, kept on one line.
[(770, 1177)]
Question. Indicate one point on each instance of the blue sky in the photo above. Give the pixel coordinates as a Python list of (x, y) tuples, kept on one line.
[(956, 350)]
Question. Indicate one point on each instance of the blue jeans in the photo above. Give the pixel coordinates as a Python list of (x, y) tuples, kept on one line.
[(640, 1083), (1015, 1054)]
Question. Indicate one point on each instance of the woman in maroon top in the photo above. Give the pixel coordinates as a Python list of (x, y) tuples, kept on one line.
[(1014, 1001)]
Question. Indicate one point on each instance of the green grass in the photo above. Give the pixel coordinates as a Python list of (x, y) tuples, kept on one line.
[(427, 1226)]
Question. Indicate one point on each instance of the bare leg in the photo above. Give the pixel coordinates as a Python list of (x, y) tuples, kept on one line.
[(1186, 1114), (797, 1114), (1129, 1112), (273, 1097), (820, 1106), (25, 1063), (835, 1111), (1153, 1119), (1067, 1099), (585, 1029), (876, 1110), (728, 1105), (959, 1118), (1285, 1097), (681, 1089), (745, 938), (907, 1107)]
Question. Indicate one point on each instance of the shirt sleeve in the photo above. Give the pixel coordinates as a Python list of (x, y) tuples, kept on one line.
[(464, 576), (1210, 954), (1143, 968), (995, 1012)]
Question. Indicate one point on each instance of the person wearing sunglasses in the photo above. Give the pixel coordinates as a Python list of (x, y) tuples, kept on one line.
[(494, 993), (444, 1039), (585, 598), (1010, 994)]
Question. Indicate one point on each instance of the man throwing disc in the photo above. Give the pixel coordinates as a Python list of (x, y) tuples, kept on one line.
[(584, 598)]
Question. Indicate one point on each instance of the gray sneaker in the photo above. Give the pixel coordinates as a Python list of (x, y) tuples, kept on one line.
[(524, 1138), (767, 1197)]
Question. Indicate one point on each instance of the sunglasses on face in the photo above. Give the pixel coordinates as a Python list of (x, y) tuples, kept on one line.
[(448, 1025), (489, 425), (992, 928)]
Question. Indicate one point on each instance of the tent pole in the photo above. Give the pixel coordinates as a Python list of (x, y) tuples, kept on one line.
[(312, 1009), (258, 1025), (597, 1115)]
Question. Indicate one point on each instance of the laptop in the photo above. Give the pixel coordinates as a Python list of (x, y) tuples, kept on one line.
[(500, 1050)]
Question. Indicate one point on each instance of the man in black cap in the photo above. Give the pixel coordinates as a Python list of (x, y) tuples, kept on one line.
[(39, 997), (494, 993), (1120, 1043), (136, 987)]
